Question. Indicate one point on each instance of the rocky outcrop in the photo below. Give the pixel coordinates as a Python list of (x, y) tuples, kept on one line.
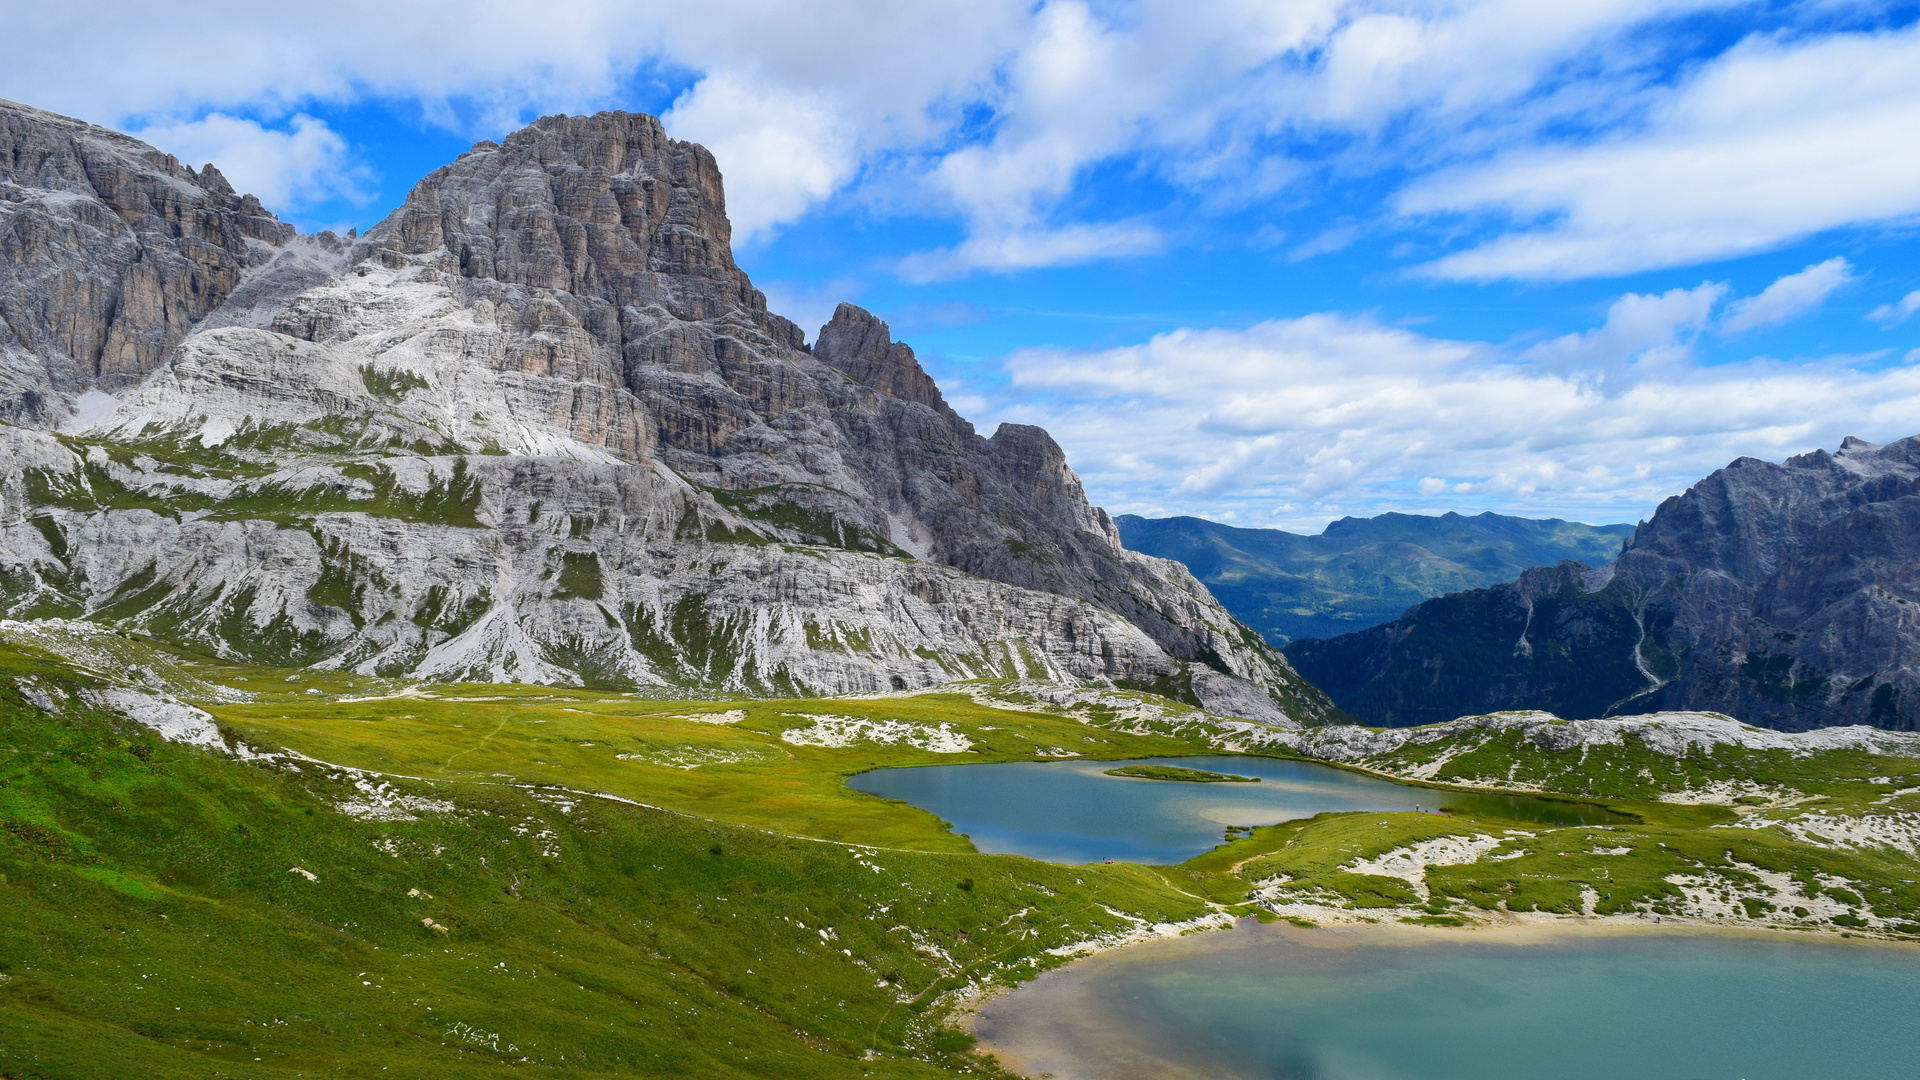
[(110, 253), (538, 425), (1781, 594), (861, 346)]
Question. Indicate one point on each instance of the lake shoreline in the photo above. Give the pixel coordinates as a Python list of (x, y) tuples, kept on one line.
[(1073, 811), (1514, 929)]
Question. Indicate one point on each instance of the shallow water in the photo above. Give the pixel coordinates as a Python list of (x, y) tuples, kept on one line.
[(1071, 812), (1278, 1003)]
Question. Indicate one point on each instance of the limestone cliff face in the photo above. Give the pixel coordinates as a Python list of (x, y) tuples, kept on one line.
[(538, 425), (110, 253), (1783, 594)]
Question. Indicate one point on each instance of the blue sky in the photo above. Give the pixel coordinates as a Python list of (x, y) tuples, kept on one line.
[(1270, 263)]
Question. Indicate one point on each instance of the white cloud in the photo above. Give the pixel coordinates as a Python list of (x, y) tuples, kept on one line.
[(1774, 140), (109, 59), (780, 152), (1331, 411), (1892, 315), (996, 112), (1026, 249), (1790, 297), (1644, 330), (792, 98), (305, 164)]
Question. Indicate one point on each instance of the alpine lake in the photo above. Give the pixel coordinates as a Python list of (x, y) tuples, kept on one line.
[(1281, 1002), (1072, 811)]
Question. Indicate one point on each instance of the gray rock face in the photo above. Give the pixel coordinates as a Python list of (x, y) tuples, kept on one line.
[(110, 253), (1780, 594), (537, 425)]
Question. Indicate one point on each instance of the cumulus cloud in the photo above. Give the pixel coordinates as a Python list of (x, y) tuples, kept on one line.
[(109, 59), (306, 163), (1776, 139), (1892, 315), (1640, 329), (792, 97), (994, 113), (1293, 421), (781, 152), (1790, 297)]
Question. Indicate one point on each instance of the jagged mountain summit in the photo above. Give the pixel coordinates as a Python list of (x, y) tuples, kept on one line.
[(538, 426), (1783, 594)]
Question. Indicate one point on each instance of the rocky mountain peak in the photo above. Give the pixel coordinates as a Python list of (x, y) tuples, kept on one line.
[(537, 425), (111, 252), (857, 342), (605, 208), (1782, 593)]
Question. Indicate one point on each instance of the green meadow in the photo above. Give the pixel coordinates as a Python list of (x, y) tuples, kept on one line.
[(470, 881)]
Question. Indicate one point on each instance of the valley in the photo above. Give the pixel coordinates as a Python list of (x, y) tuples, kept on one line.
[(470, 879), (1361, 572), (497, 642)]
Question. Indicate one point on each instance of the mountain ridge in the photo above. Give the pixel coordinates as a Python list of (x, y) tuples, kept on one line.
[(1360, 571), (1780, 593), (537, 425)]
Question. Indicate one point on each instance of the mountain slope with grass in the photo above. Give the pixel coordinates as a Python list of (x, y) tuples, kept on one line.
[(255, 912), (1360, 572)]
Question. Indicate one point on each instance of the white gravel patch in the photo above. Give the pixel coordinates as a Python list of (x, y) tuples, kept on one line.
[(692, 757), (175, 721), (1140, 930), (1899, 831), (381, 801), (843, 731), (1410, 863)]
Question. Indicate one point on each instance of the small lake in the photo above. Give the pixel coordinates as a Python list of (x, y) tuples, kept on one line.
[(1280, 1003), (1072, 812)]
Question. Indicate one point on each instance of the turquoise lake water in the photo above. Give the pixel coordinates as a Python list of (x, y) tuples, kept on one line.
[(1071, 812), (1279, 1003)]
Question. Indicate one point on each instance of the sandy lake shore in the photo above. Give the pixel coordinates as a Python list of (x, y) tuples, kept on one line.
[(978, 1012)]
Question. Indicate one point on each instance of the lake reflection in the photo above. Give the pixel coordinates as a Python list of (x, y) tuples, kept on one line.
[(1071, 812), (1279, 1003)]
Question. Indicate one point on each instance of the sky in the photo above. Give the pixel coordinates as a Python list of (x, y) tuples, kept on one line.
[(1267, 263)]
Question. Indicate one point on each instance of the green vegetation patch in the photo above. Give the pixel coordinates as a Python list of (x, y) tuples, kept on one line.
[(454, 500), (391, 384), (1191, 776), (579, 577), (793, 508)]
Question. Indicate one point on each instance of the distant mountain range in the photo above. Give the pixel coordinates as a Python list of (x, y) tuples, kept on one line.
[(1785, 595), (1361, 572)]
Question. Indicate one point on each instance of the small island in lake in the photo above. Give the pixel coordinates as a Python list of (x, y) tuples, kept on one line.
[(1170, 772)]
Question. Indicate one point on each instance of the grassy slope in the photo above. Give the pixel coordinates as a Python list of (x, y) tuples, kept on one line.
[(1632, 771), (1545, 869), (1684, 856), (579, 739), (153, 921)]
